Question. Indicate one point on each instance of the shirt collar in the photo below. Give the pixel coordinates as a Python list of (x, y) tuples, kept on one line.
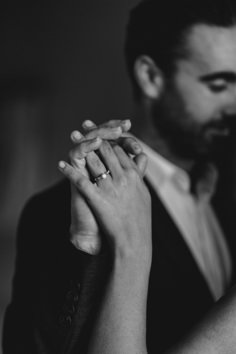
[(206, 182), (163, 171)]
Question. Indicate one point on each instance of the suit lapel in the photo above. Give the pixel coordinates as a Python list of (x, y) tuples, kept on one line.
[(178, 295), (168, 241)]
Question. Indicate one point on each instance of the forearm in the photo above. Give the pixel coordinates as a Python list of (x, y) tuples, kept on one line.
[(216, 334), (121, 205), (121, 323)]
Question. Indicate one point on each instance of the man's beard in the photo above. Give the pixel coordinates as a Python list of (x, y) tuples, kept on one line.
[(185, 137)]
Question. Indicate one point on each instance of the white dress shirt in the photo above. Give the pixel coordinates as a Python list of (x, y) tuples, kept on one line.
[(194, 218)]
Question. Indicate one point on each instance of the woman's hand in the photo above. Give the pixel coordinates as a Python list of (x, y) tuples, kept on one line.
[(84, 231), (120, 202)]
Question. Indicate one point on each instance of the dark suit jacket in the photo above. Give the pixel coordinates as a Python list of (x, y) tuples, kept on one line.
[(57, 289)]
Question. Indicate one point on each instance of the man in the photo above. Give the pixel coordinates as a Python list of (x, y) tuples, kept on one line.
[(182, 61), (185, 84)]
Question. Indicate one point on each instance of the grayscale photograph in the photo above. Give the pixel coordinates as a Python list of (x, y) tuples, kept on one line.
[(118, 177)]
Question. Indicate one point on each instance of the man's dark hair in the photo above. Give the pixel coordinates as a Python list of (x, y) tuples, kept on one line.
[(157, 28)]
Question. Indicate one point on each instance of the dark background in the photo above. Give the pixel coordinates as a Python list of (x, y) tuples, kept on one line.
[(61, 62)]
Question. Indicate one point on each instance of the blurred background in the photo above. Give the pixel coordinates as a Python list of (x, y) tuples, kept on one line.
[(61, 62)]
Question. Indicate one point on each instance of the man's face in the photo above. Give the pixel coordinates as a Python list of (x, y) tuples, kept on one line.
[(198, 103)]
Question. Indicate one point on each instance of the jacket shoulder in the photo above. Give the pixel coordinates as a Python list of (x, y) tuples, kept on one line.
[(46, 212)]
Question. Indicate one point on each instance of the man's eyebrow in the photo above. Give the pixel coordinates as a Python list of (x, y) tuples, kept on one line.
[(228, 76)]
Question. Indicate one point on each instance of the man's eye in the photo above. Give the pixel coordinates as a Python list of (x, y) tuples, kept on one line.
[(217, 85)]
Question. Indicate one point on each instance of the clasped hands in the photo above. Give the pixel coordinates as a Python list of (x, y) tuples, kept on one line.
[(117, 208)]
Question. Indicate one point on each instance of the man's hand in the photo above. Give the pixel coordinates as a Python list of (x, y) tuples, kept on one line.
[(84, 231), (120, 202), (121, 205)]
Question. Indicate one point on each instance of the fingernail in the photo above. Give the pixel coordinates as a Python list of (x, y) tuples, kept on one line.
[(61, 165), (126, 122), (136, 147), (76, 135), (126, 125), (97, 139), (88, 124)]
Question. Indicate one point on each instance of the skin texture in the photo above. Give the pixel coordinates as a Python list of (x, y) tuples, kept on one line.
[(84, 230), (121, 205), (216, 333), (121, 320), (112, 199)]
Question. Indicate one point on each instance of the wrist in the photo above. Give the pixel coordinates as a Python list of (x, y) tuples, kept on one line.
[(135, 261)]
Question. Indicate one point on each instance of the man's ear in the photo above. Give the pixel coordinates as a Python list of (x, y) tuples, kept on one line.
[(148, 76)]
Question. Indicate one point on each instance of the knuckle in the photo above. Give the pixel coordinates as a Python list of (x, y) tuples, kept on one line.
[(115, 134), (100, 132), (127, 143), (92, 133), (132, 174), (106, 147), (94, 160), (111, 133), (129, 140), (97, 163), (79, 183), (116, 148), (78, 152), (122, 180)]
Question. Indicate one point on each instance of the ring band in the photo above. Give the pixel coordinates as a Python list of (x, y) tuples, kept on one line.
[(102, 176)]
